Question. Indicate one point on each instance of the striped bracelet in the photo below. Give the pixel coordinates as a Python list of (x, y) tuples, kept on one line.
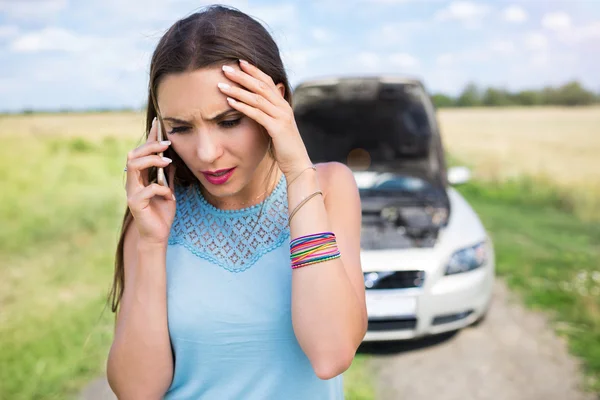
[(312, 249)]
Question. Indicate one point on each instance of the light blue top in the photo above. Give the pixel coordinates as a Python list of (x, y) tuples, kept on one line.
[(229, 304)]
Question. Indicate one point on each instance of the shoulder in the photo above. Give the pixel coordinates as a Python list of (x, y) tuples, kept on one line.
[(335, 178)]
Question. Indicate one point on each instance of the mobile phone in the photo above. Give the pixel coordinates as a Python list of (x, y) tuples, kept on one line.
[(161, 177)]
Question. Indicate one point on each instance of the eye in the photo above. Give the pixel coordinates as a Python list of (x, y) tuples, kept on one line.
[(231, 123), (178, 129)]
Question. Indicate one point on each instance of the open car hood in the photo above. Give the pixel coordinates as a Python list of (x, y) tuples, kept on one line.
[(384, 124)]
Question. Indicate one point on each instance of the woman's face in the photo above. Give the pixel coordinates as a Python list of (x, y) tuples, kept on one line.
[(209, 135)]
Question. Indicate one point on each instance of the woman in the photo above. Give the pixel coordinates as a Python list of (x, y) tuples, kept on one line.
[(242, 279)]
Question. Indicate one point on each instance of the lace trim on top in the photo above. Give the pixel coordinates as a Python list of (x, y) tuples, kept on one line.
[(232, 239)]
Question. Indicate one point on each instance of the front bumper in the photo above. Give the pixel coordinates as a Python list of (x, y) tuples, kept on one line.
[(450, 303)]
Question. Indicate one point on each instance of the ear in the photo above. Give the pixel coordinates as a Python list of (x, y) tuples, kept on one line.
[(281, 88)]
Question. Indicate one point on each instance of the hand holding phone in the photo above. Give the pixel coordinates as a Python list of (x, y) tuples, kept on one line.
[(151, 204)]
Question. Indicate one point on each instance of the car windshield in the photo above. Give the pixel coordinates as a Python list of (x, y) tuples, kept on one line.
[(389, 182)]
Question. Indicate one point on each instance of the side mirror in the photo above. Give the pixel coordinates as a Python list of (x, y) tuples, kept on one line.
[(458, 175)]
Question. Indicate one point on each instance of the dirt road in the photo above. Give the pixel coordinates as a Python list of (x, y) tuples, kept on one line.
[(512, 355)]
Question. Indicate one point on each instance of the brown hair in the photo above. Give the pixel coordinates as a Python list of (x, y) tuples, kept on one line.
[(215, 36)]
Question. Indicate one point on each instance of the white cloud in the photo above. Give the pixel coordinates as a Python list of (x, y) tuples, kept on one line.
[(514, 14), (377, 62), (556, 21), (403, 60), (536, 41), (31, 9), (299, 58), (480, 55), (152, 17), (469, 13), (52, 39), (394, 34), (579, 34), (539, 60), (279, 15), (8, 31), (445, 59), (502, 46), (368, 60), (387, 1), (590, 31), (321, 35)]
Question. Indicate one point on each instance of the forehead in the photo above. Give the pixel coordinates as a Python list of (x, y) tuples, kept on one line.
[(192, 94)]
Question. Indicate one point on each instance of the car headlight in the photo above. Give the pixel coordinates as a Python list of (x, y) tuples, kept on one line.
[(467, 259)]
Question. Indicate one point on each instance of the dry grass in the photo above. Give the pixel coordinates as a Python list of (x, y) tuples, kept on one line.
[(562, 143), (555, 145), (90, 126)]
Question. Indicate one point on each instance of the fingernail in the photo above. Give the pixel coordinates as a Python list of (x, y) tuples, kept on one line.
[(227, 68), (165, 142), (167, 159), (173, 197), (232, 101), (153, 121), (223, 86), (244, 62)]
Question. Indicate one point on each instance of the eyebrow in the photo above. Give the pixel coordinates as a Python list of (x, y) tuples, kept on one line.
[(215, 118)]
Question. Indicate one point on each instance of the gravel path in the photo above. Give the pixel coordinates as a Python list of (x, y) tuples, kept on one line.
[(512, 355)]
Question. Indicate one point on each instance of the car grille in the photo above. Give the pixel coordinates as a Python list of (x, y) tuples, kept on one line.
[(392, 324), (394, 279)]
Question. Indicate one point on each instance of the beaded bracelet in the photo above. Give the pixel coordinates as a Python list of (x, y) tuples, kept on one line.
[(312, 249)]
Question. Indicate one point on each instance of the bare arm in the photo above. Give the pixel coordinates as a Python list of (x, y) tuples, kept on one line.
[(140, 362), (328, 298)]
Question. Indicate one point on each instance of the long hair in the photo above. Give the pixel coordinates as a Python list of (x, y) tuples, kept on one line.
[(215, 36)]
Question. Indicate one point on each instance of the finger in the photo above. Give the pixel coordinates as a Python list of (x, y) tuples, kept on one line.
[(254, 113), (254, 85), (141, 199), (253, 99), (135, 179), (147, 149), (257, 73), (152, 135), (137, 174), (147, 162)]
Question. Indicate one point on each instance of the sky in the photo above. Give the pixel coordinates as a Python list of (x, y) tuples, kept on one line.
[(57, 54)]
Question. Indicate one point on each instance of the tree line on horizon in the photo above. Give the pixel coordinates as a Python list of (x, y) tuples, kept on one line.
[(569, 94)]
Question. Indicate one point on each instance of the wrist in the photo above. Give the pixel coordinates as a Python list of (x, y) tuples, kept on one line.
[(296, 167), (145, 246), (297, 173)]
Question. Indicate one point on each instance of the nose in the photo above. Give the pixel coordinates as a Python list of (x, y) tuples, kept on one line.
[(208, 149)]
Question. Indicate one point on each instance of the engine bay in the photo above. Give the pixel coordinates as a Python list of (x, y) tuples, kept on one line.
[(389, 223)]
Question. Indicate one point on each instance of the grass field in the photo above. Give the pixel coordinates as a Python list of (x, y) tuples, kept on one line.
[(558, 147), (63, 199)]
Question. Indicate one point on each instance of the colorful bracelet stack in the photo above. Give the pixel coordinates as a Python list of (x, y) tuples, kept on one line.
[(312, 249)]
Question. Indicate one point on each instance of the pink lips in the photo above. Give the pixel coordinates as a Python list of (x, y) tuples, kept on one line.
[(219, 180)]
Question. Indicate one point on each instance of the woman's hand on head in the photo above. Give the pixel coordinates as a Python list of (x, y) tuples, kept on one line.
[(152, 205), (260, 99)]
